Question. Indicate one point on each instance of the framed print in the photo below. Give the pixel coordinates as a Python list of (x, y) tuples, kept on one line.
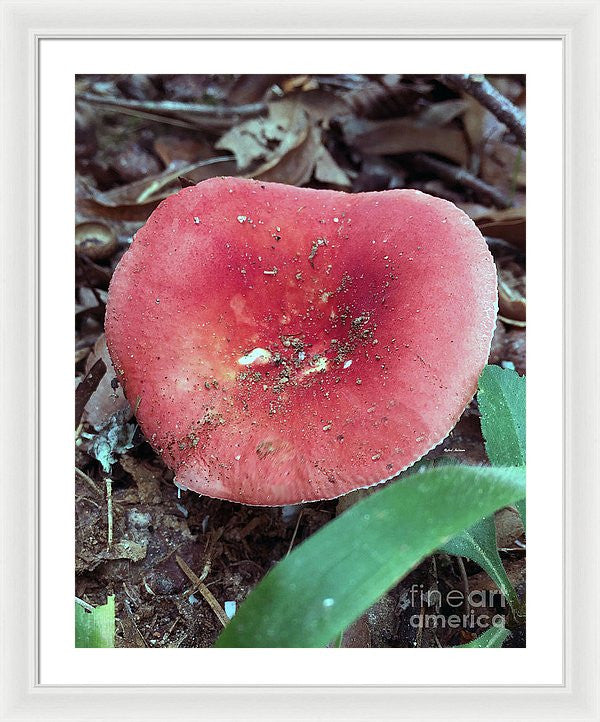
[(296, 484)]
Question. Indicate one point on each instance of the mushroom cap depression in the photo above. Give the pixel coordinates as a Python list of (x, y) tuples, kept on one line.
[(287, 344)]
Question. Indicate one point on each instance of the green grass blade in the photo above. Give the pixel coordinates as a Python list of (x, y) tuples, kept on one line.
[(492, 637), (97, 628), (478, 543), (339, 572)]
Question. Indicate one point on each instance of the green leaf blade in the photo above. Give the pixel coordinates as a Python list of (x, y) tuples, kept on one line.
[(502, 403), (95, 629), (493, 637), (478, 543), (339, 572)]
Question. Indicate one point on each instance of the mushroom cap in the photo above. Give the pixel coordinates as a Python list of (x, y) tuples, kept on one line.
[(286, 344)]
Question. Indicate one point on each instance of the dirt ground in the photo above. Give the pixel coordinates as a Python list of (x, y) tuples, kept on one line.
[(140, 138)]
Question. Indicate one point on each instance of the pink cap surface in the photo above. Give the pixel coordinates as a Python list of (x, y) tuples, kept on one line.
[(285, 344)]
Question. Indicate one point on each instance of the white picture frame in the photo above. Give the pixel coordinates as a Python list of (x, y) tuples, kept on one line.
[(23, 25)]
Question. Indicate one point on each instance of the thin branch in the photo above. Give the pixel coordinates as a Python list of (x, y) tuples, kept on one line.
[(171, 106), (85, 605), (158, 118), (460, 176), (88, 479), (109, 512), (465, 581), (135, 626), (482, 90), (204, 591), (169, 176), (295, 532)]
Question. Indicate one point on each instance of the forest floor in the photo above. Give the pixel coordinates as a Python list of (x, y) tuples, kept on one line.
[(139, 139)]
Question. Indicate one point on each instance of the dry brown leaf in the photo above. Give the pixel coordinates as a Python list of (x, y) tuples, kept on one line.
[(287, 145), (509, 224), (508, 527), (95, 240), (296, 166), (92, 208), (127, 549), (482, 582), (384, 98), (404, 135), (441, 190), (509, 345), (172, 149), (105, 401), (267, 138), (512, 307), (378, 173), (508, 86), (250, 141), (135, 201), (499, 163), (481, 126), (148, 478), (328, 171), (503, 165), (90, 300), (132, 162), (299, 82), (91, 274), (322, 105), (442, 113), (86, 387), (252, 88)]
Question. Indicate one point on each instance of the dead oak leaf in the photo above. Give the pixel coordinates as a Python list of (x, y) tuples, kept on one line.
[(285, 147), (404, 135), (267, 139)]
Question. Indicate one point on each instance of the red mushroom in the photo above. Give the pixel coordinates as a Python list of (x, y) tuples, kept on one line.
[(286, 344)]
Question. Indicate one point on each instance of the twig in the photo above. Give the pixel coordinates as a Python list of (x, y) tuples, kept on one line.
[(135, 626), (204, 590), (181, 641), (85, 605), (500, 549), (88, 479), (482, 90), (109, 511), (157, 118), (419, 639), (171, 106), (83, 499), (456, 174), (172, 627), (168, 177), (465, 581), (295, 532)]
